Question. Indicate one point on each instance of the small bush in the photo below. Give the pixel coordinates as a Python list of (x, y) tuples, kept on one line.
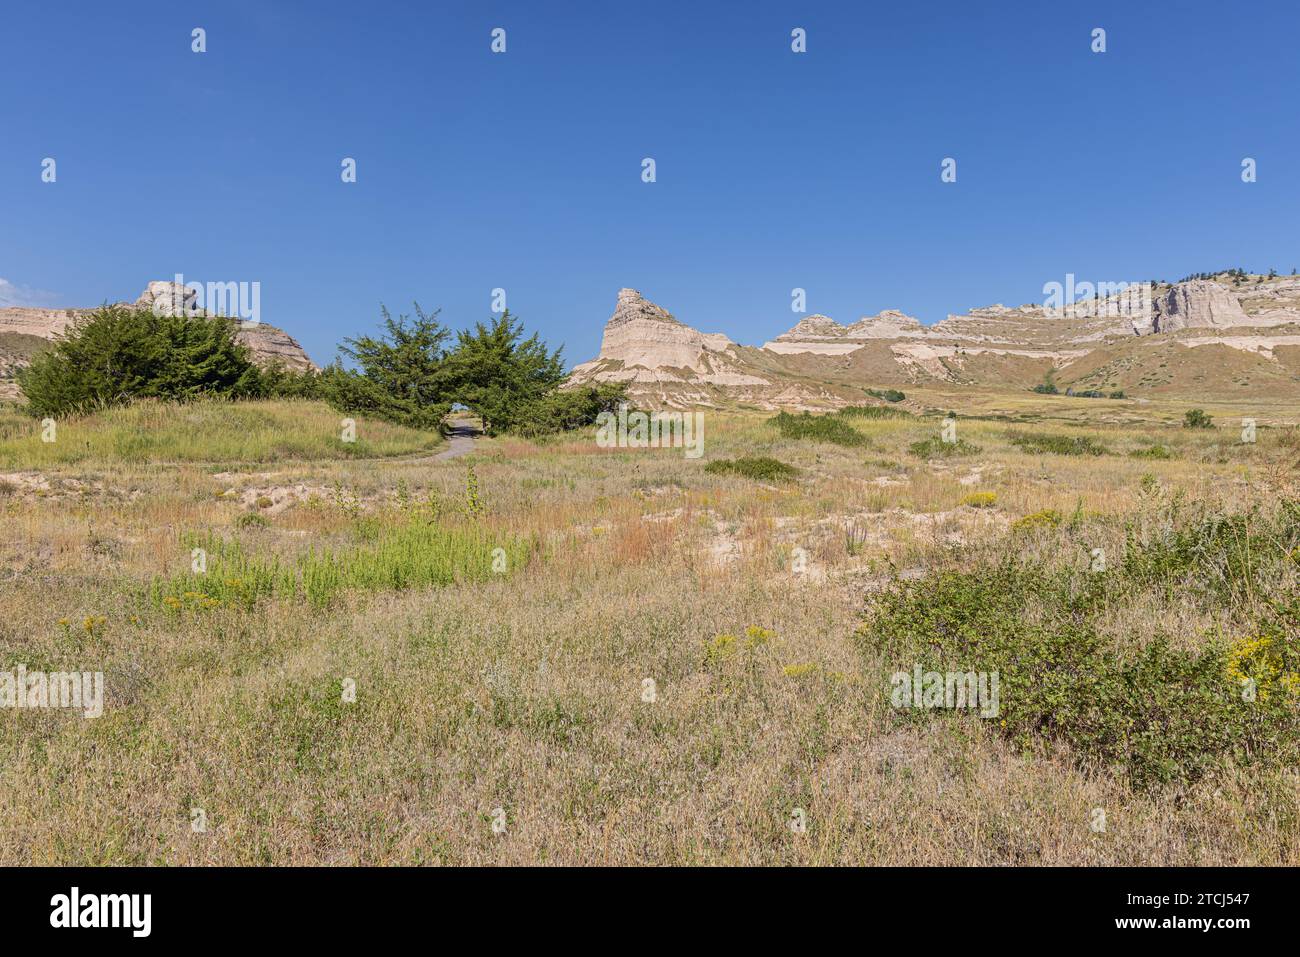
[(251, 520), (758, 467), (1152, 452), (873, 412), (1039, 443), (1197, 419), (980, 499), (1046, 518), (819, 428), (936, 447), (889, 395)]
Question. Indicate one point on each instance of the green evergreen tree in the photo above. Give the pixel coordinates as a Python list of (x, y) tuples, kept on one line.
[(119, 353), (403, 374), (500, 375)]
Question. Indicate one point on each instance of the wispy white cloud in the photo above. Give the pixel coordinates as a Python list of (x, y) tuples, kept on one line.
[(12, 294)]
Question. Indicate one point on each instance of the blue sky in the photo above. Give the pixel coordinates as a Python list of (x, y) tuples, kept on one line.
[(522, 170)]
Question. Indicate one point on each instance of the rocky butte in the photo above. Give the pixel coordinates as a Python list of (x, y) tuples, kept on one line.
[(1228, 336)]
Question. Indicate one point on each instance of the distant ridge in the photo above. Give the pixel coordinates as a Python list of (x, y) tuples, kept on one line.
[(1229, 338)]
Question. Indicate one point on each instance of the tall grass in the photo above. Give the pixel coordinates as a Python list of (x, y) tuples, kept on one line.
[(412, 555), (759, 467), (873, 412), (205, 431), (1038, 443)]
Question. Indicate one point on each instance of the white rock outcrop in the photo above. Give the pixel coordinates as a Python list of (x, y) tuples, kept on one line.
[(821, 363), (1198, 304), (822, 335), (167, 298), (644, 343)]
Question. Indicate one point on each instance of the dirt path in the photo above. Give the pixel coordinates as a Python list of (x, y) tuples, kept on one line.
[(460, 441)]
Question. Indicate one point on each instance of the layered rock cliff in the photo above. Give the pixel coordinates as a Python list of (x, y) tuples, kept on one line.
[(644, 344), (1199, 304), (1113, 342)]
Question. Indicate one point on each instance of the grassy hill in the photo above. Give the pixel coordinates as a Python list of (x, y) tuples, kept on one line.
[(215, 432)]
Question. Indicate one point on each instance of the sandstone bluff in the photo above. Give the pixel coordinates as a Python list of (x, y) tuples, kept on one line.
[(1220, 336)]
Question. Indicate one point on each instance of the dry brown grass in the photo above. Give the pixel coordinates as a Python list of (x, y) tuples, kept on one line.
[(525, 693)]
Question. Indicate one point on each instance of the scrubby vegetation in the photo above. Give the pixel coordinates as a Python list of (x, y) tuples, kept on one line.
[(936, 447), (664, 667), (1040, 443), (1069, 678), (889, 395), (1152, 452), (755, 467), (818, 428), (1049, 387), (873, 412), (1197, 419), (1042, 519)]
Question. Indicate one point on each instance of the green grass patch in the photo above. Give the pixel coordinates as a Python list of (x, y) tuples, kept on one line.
[(213, 431), (756, 467), (935, 447), (873, 412), (818, 428), (1152, 452), (394, 557), (1041, 443)]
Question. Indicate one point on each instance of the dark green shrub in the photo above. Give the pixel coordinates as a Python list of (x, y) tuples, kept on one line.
[(119, 353), (1048, 385), (1197, 419), (564, 410), (251, 520), (819, 428), (935, 447), (889, 395), (402, 375), (409, 375), (1039, 443), (759, 467), (1160, 714), (873, 412), (1152, 452)]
